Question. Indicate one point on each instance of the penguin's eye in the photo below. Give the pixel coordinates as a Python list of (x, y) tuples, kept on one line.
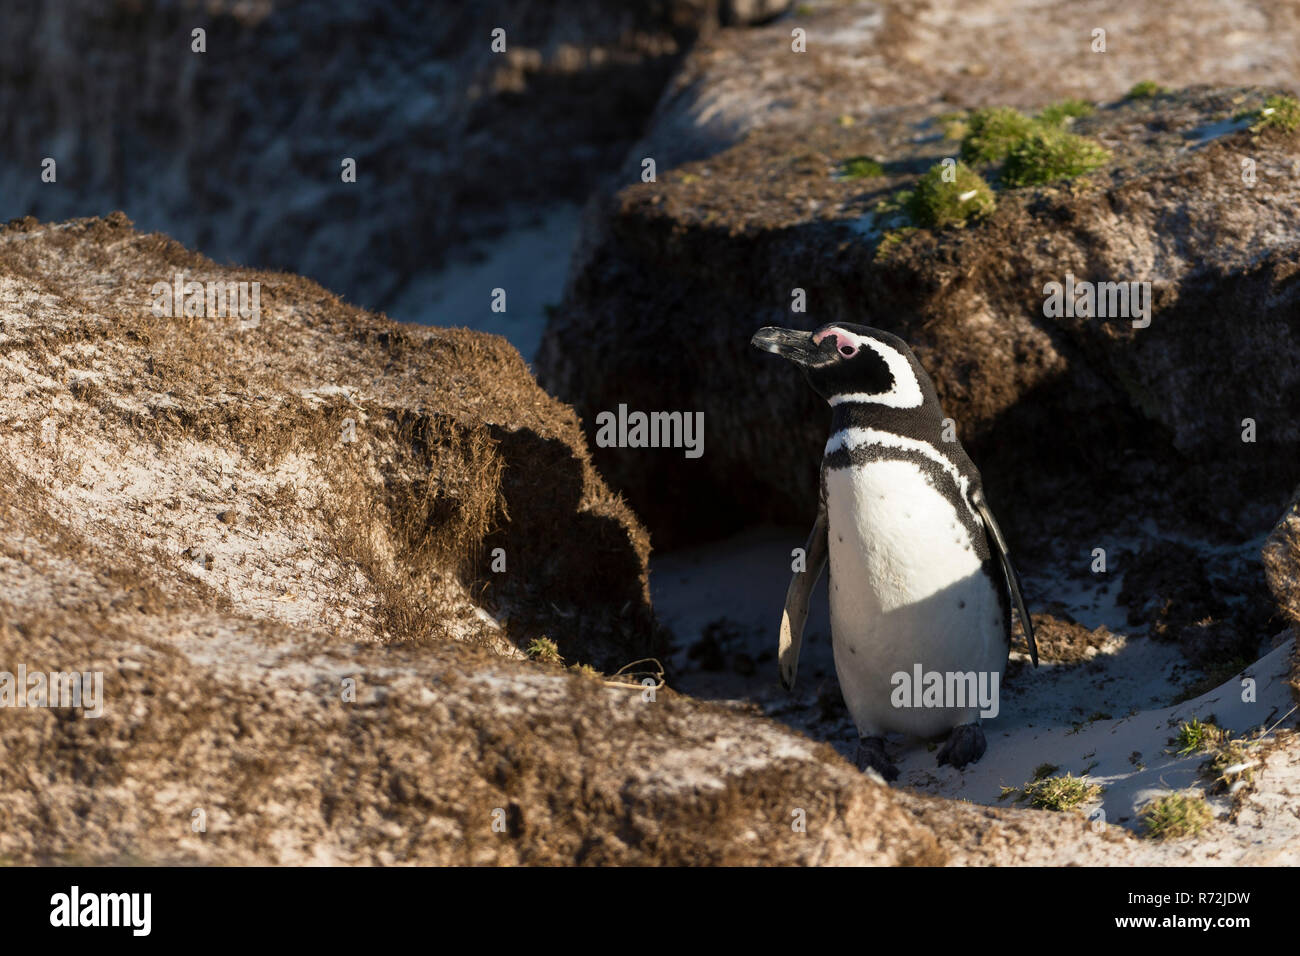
[(839, 339)]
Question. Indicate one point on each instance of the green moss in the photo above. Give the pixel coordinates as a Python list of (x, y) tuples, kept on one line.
[(954, 125), (861, 167), (890, 242), (894, 205), (1054, 793), (992, 133), (586, 670), (1144, 90), (1280, 112), (936, 202), (543, 649), (1176, 815), (1059, 114), (1047, 155), (1045, 770), (1194, 736), (1034, 150)]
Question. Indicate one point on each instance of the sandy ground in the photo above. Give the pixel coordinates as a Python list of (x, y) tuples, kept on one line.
[(1110, 718)]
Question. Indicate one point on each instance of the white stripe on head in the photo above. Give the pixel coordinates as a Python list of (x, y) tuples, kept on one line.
[(906, 390)]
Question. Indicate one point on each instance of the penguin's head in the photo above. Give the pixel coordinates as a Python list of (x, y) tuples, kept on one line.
[(853, 363)]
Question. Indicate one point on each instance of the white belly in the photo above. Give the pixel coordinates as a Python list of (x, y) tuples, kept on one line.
[(906, 588)]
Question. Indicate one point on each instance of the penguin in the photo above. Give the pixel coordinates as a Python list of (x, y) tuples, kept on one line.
[(921, 579)]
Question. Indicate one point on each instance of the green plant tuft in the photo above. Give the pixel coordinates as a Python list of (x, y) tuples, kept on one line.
[(1055, 793), (992, 133), (1280, 112), (1060, 114), (1194, 735), (1176, 815), (1048, 154), (861, 167), (1144, 90), (890, 242), (543, 649), (954, 125), (936, 202), (1229, 763)]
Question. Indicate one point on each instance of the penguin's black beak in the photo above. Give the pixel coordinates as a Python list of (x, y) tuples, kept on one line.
[(798, 347)]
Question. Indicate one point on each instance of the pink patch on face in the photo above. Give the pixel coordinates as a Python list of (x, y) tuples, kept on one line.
[(843, 344)]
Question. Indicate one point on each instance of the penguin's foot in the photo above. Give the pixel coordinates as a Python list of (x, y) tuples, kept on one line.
[(871, 754), (965, 745)]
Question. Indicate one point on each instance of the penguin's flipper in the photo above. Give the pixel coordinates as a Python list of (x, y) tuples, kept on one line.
[(999, 544), (797, 597)]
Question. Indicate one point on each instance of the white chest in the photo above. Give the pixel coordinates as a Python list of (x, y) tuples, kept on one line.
[(906, 587), (894, 535)]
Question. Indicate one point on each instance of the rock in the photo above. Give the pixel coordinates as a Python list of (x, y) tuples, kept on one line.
[(740, 12), (672, 277), (1282, 563), (453, 142), (330, 688), (232, 745), (379, 471), (1170, 592)]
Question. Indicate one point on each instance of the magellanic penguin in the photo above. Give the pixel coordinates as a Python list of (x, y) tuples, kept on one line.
[(920, 577)]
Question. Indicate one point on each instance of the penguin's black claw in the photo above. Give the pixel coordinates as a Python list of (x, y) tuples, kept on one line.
[(871, 753), (965, 745)]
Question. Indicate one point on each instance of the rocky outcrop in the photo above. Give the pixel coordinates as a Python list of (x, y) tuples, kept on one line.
[(752, 202), (1282, 563), (271, 536), (225, 740), (238, 150), (405, 473)]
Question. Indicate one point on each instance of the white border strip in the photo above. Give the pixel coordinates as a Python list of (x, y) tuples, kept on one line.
[(851, 438), (906, 391)]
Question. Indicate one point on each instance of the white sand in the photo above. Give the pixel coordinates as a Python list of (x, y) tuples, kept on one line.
[(1044, 712)]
